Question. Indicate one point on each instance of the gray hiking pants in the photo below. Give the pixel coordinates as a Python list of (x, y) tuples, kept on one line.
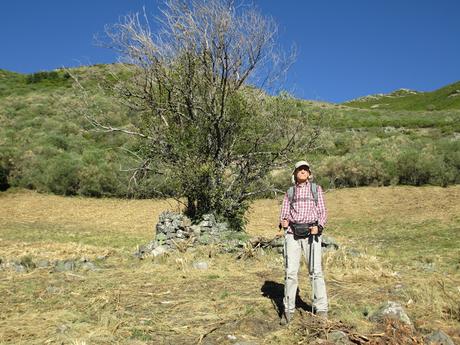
[(292, 252)]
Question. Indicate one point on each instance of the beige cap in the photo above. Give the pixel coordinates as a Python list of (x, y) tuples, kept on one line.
[(301, 164)]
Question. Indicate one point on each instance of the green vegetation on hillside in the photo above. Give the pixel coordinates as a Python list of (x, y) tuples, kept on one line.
[(447, 97), (47, 145)]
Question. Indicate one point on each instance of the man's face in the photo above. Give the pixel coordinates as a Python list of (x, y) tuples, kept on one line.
[(302, 174)]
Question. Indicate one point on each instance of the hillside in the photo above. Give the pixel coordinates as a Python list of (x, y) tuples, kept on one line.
[(47, 144), (397, 243), (447, 97)]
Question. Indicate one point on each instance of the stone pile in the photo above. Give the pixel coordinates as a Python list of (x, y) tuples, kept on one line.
[(176, 231), (172, 229), (27, 264)]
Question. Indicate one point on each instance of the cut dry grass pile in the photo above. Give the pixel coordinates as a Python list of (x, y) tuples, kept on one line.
[(167, 301)]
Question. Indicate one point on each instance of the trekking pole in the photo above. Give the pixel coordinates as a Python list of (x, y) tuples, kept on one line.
[(312, 270)]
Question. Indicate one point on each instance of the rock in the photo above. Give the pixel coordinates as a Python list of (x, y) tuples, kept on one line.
[(160, 250), (176, 223), (27, 262), (160, 237), (196, 230), (43, 264), (88, 266), (209, 217), (429, 267), (147, 249), (353, 252), (389, 129), (339, 338), (204, 239), (438, 338), (186, 222), (209, 221), (62, 328), (206, 224), (391, 310), (159, 228), (329, 243), (53, 289), (140, 252), (200, 265), (63, 266), (19, 268), (223, 226), (171, 244)]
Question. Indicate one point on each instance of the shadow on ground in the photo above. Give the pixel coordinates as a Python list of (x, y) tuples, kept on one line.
[(275, 291)]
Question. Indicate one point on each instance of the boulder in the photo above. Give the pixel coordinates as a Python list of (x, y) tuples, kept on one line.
[(64, 265), (88, 266), (339, 338), (43, 264), (158, 251), (200, 265), (391, 310), (329, 243), (438, 338), (19, 268)]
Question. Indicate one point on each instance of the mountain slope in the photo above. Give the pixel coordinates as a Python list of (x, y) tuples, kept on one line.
[(46, 144), (447, 97)]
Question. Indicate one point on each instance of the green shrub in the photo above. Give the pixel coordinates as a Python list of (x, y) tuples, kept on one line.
[(394, 160), (42, 75), (97, 181), (98, 175), (62, 172), (5, 168)]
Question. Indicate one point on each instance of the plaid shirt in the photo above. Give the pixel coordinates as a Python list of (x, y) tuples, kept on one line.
[(303, 208)]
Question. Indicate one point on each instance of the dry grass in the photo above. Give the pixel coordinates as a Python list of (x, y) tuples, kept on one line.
[(166, 301), (133, 217)]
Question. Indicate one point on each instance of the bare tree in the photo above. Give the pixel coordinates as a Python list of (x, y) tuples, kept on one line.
[(196, 84)]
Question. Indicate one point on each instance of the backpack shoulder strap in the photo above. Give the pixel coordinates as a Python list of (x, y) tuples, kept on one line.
[(314, 191), (290, 193)]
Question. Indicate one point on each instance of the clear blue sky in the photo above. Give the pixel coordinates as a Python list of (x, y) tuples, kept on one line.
[(347, 48)]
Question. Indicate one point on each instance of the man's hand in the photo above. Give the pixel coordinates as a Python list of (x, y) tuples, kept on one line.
[(314, 230), (282, 226), (284, 223)]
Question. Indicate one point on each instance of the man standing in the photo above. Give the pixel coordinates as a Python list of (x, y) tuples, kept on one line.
[(303, 217)]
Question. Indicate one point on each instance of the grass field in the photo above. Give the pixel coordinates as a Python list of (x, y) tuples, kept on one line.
[(397, 243)]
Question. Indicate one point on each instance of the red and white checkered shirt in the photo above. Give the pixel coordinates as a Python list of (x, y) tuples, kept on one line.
[(303, 208)]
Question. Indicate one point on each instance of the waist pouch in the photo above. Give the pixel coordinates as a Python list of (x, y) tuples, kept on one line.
[(301, 230)]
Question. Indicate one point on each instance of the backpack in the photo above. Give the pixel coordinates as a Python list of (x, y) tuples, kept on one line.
[(314, 191)]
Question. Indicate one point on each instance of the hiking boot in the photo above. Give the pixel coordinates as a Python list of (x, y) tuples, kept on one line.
[(322, 314), (286, 318)]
